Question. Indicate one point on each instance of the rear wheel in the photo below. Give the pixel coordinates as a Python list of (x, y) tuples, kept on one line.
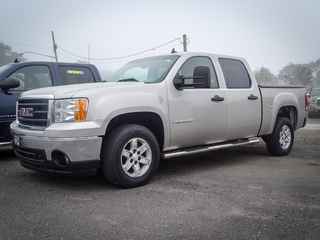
[(130, 156), (280, 142)]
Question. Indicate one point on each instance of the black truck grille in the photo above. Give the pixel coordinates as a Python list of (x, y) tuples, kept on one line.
[(318, 101), (31, 156), (33, 113)]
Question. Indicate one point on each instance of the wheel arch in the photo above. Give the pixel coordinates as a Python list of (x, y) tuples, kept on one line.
[(150, 120), (289, 112)]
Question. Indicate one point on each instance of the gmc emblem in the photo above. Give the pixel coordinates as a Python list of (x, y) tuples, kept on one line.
[(25, 112)]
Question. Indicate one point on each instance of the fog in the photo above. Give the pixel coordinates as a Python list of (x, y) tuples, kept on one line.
[(267, 33)]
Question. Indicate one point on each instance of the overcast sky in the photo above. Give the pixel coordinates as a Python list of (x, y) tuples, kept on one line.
[(269, 33)]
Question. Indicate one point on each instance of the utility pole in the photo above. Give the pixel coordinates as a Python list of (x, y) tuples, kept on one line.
[(54, 47), (184, 42)]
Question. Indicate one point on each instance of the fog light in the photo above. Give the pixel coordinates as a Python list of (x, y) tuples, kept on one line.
[(60, 158)]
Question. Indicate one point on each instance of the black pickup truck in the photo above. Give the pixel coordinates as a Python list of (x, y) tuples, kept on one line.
[(16, 78)]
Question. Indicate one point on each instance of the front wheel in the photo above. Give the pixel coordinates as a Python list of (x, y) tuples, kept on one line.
[(280, 142), (130, 156)]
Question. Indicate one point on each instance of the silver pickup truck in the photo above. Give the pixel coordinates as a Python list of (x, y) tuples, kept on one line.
[(152, 108)]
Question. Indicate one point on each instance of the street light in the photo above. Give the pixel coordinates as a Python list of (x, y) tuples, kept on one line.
[(20, 54)]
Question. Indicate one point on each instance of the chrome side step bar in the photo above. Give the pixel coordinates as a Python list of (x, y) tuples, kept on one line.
[(202, 149)]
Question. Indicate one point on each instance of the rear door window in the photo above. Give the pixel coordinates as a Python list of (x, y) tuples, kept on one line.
[(235, 73), (75, 75)]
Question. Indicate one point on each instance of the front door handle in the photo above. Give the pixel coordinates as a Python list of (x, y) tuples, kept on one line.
[(217, 98), (252, 97)]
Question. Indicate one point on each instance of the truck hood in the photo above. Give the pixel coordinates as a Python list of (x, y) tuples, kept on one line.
[(79, 90)]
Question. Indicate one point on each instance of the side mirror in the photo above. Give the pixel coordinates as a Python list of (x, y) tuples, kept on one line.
[(178, 82), (201, 79), (8, 83)]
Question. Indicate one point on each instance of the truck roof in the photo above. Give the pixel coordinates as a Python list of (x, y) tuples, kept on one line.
[(54, 63), (203, 54)]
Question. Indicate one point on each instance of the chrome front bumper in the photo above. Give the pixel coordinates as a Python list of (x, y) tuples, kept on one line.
[(68, 156)]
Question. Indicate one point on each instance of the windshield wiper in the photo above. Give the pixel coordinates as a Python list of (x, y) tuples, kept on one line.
[(128, 80)]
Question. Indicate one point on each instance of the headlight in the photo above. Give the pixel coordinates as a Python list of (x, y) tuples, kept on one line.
[(312, 100), (69, 110)]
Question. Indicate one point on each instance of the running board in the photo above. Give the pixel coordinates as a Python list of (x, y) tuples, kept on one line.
[(202, 149)]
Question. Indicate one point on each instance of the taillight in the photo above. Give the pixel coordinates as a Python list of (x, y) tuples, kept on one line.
[(306, 101)]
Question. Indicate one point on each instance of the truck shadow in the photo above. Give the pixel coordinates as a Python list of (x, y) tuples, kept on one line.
[(6, 153), (167, 169), (55, 182), (213, 160)]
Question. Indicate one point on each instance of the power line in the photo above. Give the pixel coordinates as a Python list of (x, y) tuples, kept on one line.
[(124, 60), (24, 45), (75, 59), (117, 58), (98, 59)]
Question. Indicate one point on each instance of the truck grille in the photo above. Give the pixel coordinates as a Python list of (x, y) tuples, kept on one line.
[(33, 113), (318, 101)]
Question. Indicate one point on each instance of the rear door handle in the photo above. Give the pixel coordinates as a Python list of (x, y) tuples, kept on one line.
[(217, 98), (252, 97)]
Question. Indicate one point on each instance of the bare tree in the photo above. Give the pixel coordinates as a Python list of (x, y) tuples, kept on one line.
[(7, 56), (315, 66), (263, 76), (316, 79), (296, 74)]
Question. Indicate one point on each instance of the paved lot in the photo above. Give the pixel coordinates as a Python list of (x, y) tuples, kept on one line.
[(239, 193)]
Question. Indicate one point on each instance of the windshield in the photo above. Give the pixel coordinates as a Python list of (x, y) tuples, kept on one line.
[(315, 93), (148, 70), (5, 67)]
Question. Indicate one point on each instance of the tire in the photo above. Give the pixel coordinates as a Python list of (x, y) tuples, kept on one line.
[(130, 156), (280, 142)]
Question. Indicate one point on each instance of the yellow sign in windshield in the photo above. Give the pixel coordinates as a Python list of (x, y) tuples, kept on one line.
[(75, 72)]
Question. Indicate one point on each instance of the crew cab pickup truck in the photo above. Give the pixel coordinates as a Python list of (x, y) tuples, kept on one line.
[(150, 109), (16, 78)]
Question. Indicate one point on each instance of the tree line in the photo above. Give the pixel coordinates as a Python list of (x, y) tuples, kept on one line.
[(307, 75), (8, 56)]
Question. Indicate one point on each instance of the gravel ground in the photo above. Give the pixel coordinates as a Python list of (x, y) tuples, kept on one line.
[(237, 193), (310, 133)]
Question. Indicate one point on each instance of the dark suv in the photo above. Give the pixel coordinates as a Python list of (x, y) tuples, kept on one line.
[(16, 78)]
